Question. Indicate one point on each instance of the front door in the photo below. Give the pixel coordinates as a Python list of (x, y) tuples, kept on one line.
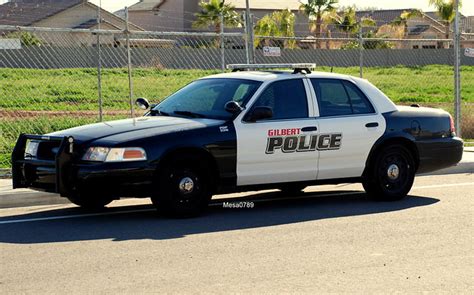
[(281, 148)]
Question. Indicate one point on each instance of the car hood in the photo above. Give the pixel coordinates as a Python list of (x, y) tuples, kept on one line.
[(131, 129)]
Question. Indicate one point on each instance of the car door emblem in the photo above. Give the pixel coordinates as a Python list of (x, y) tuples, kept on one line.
[(292, 140), (224, 129)]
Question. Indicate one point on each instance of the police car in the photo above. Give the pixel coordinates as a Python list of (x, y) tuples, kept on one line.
[(245, 130)]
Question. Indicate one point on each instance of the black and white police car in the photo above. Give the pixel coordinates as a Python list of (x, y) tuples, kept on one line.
[(239, 131)]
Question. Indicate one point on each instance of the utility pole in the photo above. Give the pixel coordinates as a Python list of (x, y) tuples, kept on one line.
[(457, 69)]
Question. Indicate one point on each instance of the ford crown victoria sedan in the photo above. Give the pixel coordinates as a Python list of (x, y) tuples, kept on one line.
[(245, 130)]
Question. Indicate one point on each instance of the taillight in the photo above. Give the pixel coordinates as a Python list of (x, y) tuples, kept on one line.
[(452, 128)]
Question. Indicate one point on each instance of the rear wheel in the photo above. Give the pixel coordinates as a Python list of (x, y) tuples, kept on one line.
[(391, 175), (184, 188)]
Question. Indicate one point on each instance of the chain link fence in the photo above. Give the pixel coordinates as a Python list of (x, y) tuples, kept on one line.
[(467, 86), (51, 81)]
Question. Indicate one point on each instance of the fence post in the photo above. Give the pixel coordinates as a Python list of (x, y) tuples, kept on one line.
[(99, 66), (249, 25), (246, 31), (129, 63), (361, 53), (457, 75), (222, 42), (252, 40)]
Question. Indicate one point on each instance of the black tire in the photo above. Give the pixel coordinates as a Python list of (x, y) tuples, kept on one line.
[(292, 188), (391, 175), (89, 201), (174, 198)]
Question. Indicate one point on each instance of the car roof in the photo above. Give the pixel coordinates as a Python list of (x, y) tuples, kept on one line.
[(264, 76)]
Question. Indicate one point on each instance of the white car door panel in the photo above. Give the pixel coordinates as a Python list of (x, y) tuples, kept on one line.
[(344, 109), (356, 142), (278, 149), (272, 152)]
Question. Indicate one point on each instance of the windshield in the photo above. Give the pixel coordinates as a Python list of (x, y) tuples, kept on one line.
[(206, 98)]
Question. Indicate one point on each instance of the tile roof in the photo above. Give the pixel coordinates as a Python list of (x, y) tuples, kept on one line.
[(27, 12), (382, 17), (145, 5), (267, 4)]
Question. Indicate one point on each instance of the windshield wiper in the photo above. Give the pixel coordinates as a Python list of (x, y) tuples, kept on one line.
[(154, 112), (189, 114)]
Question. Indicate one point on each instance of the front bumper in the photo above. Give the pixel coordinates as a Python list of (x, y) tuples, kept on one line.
[(435, 154), (66, 174)]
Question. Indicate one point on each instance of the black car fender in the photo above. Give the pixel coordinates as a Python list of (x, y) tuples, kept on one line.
[(390, 138)]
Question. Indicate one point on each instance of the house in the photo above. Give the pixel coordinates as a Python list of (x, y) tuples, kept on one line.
[(69, 14), (179, 15), (425, 27), (469, 25)]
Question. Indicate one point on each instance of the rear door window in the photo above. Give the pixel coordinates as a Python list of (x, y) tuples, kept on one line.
[(340, 98)]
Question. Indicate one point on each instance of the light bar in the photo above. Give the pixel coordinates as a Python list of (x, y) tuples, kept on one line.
[(237, 67)]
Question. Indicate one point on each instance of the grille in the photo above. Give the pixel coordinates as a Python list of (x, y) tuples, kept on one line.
[(47, 150)]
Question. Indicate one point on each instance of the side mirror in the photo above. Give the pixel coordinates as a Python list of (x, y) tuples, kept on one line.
[(142, 103), (259, 113), (233, 107)]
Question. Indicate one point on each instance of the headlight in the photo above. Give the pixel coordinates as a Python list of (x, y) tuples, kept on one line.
[(31, 149), (103, 154)]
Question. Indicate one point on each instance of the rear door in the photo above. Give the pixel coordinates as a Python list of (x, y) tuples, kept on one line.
[(346, 115), (278, 149)]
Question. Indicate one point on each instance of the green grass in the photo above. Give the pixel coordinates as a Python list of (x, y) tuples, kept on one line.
[(11, 128), (76, 90)]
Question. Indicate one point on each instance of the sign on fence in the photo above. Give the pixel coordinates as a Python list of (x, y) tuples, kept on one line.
[(10, 44), (469, 52), (271, 51)]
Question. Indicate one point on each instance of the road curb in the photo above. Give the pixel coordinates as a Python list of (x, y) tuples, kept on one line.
[(461, 168)]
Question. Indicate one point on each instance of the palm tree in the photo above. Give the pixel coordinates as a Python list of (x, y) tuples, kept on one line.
[(346, 21), (317, 11), (446, 11), (211, 12), (278, 24), (405, 16)]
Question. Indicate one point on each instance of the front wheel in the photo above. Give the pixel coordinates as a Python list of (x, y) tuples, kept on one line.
[(184, 188), (391, 175)]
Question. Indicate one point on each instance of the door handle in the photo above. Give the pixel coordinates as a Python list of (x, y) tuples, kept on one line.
[(371, 124), (309, 128)]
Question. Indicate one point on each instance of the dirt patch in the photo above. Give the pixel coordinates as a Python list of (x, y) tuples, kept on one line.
[(15, 114)]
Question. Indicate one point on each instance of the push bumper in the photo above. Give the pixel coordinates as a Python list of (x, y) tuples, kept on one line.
[(65, 175), (435, 154), (48, 175)]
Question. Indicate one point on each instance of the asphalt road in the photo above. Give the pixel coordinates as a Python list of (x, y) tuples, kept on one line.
[(328, 240)]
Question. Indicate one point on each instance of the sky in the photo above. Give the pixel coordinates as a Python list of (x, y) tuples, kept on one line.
[(466, 9)]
